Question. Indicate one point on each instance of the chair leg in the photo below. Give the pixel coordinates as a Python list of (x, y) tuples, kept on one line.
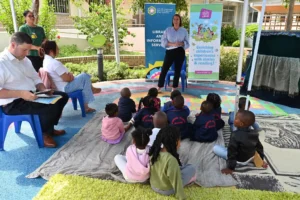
[(74, 101), (182, 82), (37, 130), (81, 103), (18, 126), (3, 132)]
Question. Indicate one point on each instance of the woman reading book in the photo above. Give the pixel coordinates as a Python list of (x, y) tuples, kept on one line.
[(64, 80)]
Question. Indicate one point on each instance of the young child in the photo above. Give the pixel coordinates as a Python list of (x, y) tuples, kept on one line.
[(205, 125), (215, 99), (177, 116), (144, 116), (242, 105), (160, 120), (244, 145), (126, 105), (153, 92), (135, 166), (112, 126), (169, 104), (168, 176)]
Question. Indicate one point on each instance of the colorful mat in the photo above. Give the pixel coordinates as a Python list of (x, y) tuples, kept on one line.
[(258, 107)]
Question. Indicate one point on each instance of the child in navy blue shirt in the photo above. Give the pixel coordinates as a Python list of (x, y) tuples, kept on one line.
[(153, 92), (169, 104), (144, 116), (205, 125), (177, 116), (126, 105), (215, 99)]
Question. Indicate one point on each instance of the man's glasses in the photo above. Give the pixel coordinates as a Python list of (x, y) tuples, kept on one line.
[(30, 16)]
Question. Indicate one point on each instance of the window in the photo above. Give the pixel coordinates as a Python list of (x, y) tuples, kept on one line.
[(228, 14), (252, 16), (60, 6), (267, 18)]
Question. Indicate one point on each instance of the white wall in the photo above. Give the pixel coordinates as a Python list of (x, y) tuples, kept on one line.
[(5, 37)]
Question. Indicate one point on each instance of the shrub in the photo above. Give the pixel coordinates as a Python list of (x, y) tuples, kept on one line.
[(236, 43), (228, 35), (110, 72), (229, 64), (72, 50)]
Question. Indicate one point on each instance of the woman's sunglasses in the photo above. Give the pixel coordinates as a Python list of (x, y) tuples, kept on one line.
[(30, 16)]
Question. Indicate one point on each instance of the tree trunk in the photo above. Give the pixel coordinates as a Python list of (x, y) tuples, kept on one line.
[(289, 20), (35, 9)]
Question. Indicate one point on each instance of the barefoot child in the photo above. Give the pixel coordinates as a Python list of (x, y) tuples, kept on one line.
[(244, 145), (112, 126), (126, 105), (168, 176), (135, 166)]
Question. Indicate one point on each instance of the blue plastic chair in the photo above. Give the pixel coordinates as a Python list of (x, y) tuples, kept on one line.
[(182, 75), (78, 95), (6, 120)]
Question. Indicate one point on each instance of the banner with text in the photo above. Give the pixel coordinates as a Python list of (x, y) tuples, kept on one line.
[(205, 39), (157, 18)]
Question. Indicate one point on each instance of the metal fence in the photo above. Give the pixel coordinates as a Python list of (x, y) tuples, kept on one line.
[(60, 6)]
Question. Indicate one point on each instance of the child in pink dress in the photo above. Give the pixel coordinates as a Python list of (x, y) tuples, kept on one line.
[(112, 126)]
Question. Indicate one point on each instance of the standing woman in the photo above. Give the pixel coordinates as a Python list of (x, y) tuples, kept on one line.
[(38, 36), (175, 40)]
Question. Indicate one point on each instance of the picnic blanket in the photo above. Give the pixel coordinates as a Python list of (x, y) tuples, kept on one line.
[(87, 155)]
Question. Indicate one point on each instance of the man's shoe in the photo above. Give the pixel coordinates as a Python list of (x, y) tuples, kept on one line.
[(58, 132), (49, 142)]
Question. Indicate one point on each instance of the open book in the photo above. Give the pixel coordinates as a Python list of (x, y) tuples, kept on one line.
[(47, 99)]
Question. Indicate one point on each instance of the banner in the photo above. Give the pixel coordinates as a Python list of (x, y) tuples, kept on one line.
[(158, 17), (205, 39)]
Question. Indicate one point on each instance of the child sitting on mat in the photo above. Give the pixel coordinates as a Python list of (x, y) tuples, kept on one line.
[(215, 99), (169, 104), (126, 105), (153, 92), (168, 176), (204, 127), (160, 120), (112, 126), (177, 116), (242, 105), (144, 116), (244, 145), (135, 166)]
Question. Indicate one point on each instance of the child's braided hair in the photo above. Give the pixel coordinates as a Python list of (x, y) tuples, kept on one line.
[(168, 137)]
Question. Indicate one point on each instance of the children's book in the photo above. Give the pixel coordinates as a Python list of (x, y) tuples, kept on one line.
[(47, 99)]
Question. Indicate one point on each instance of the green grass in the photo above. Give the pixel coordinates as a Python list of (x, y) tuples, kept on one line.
[(82, 188)]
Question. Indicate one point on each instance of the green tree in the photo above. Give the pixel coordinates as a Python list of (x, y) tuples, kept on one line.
[(46, 16), (181, 5), (47, 19), (6, 16), (98, 20)]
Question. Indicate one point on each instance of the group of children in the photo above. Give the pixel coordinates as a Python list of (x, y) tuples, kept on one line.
[(158, 132)]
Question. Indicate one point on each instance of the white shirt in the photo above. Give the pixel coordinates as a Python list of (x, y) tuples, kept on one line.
[(55, 69), (153, 136), (16, 75)]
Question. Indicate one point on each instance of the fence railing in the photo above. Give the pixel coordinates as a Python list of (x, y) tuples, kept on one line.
[(278, 22), (60, 6)]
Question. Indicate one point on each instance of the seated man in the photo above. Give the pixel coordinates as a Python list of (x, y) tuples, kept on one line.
[(17, 79)]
